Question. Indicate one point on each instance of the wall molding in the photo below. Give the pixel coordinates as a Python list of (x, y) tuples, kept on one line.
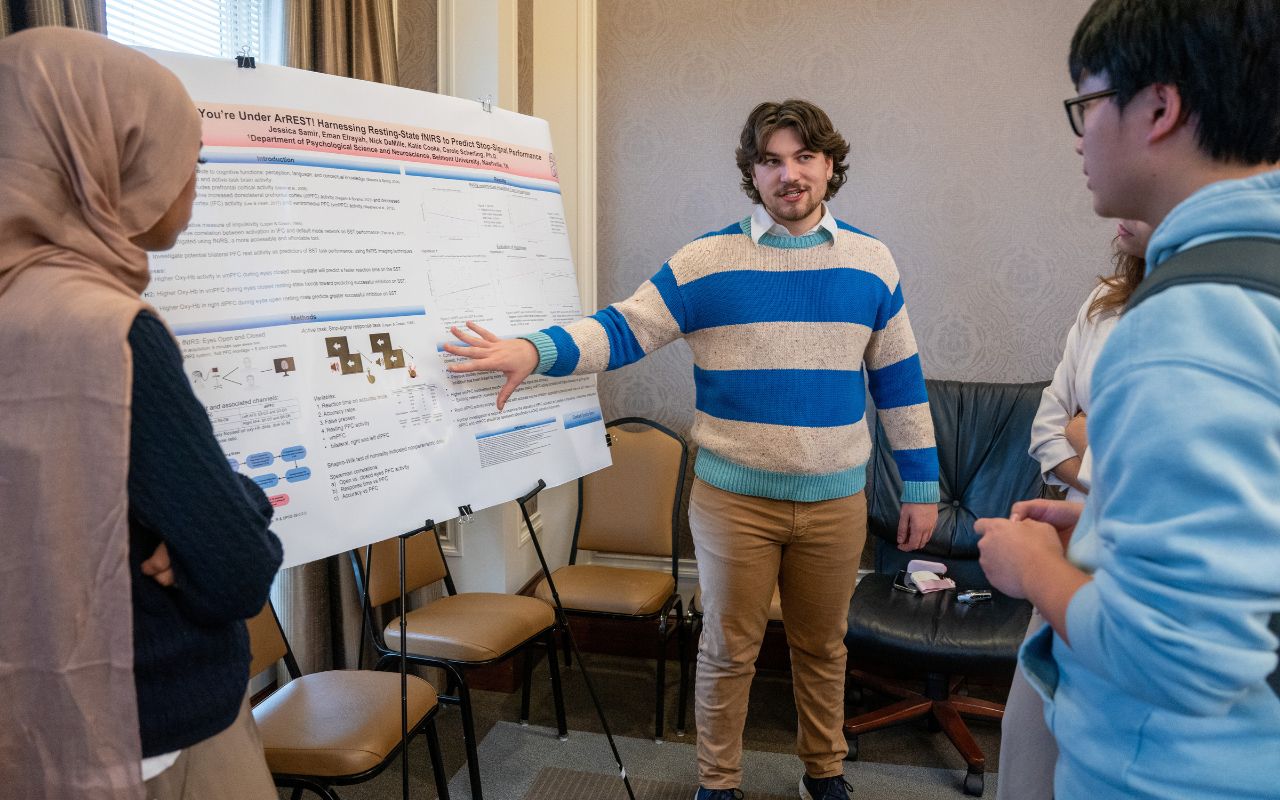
[(587, 187), (535, 516), (509, 55), (445, 23), (451, 537), (687, 569)]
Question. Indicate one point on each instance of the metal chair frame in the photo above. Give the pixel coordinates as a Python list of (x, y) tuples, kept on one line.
[(456, 691), (321, 785), (675, 603)]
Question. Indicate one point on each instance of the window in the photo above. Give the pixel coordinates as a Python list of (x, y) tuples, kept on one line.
[(219, 28)]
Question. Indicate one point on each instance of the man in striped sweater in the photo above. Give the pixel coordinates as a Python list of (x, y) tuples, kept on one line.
[(791, 316)]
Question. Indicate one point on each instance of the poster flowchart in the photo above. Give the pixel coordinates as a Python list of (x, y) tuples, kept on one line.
[(340, 228)]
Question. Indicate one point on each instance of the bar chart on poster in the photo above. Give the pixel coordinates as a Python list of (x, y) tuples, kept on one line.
[(340, 228)]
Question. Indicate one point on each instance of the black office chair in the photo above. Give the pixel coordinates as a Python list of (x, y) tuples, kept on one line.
[(982, 432)]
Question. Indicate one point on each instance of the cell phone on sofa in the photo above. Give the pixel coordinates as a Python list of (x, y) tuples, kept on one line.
[(903, 583)]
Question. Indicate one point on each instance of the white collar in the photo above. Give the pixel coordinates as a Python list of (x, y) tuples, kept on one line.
[(762, 222)]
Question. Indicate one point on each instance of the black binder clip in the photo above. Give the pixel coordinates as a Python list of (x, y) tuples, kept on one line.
[(244, 60), (464, 514), (608, 439)]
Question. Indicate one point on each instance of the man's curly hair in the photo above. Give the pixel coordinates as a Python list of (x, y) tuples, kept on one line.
[(811, 124)]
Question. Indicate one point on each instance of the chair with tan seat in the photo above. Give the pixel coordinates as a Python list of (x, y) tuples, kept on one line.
[(631, 508), (689, 662), (456, 632), (338, 727)]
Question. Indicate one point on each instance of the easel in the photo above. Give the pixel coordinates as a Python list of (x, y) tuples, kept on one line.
[(563, 621)]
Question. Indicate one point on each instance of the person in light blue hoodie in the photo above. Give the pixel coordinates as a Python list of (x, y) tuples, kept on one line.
[(1159, 665)]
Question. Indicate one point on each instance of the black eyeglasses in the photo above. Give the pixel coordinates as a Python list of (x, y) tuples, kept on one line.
[(1076, 107)]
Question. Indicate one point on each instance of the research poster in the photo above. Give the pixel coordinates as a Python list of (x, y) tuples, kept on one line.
[(340, 228)]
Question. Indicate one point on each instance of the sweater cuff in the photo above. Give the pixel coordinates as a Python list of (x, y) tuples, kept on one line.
[(920, 492), (547, 353)]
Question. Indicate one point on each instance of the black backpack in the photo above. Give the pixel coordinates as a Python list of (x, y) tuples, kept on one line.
[(1248, 262)]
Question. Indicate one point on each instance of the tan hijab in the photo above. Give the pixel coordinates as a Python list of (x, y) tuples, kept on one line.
[(96, 143)]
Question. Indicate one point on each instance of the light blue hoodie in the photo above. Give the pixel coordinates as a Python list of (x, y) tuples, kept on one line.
[(1163, 691)]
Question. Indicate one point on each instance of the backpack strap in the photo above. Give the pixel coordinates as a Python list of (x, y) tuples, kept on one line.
[(1252, 263), (1274, 679)]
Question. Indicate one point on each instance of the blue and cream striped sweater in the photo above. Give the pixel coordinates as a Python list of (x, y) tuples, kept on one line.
[(786, 336)]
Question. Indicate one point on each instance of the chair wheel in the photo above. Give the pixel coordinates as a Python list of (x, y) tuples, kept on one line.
[(974, 784), (852, 755)]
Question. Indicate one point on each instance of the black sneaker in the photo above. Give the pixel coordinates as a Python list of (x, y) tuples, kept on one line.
[(833, 788), (718, 794)]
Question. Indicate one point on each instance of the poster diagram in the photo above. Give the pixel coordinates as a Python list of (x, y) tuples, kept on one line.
[(348, 360), (289, 460), (340, 229)]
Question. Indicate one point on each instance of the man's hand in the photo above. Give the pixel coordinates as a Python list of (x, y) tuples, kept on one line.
[(1012, 550), (1061, 514), (158, 567), (1077, 433), (1023, 557), (514, 358), (915, 525)]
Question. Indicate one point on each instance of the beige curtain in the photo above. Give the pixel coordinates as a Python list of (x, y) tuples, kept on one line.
[(320, 610), (15, 15), (351, 38)]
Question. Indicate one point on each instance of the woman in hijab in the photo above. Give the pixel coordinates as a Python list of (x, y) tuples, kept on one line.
[(132, 552)]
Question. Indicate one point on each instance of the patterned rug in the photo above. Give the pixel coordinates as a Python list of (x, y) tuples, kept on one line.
[(558, 783), (530, 763)]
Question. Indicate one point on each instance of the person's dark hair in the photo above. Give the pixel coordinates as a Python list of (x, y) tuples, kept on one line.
[(811, 124), (1222, 55), (1120, 284)]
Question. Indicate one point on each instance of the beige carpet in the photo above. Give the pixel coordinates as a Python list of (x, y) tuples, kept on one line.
[(558, 783)]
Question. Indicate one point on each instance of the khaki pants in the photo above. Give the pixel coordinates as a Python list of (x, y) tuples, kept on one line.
[(744, 546), (228, 765)]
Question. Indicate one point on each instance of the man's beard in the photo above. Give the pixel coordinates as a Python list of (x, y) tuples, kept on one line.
[(791, 212)]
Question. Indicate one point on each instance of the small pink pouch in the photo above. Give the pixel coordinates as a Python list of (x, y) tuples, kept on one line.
[(927, 576), (918, 564)]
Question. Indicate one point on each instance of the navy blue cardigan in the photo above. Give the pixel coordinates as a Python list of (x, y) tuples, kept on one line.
[(191, 649)]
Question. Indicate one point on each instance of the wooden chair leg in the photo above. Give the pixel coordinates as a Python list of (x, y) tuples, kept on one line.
[(973, 706), (955, 729), (901, 711), (882, 685)]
